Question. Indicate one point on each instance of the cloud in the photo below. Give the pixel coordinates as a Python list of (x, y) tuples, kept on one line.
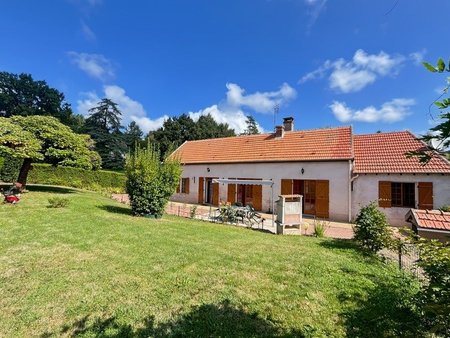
[(418, 56), (316, 7), (362, 70), (95, 65), (391, 111), (88, 33), (132, 110), (232, 109)]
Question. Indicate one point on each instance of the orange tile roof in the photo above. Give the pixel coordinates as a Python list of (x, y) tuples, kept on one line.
[(430, 219), (307, 145), (385, 153)]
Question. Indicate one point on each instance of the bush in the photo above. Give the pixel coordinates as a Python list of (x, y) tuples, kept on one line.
[(319, 228), (58, 202), (445, 208), (150, 182), (371, 229), (434, 298), (9, 168), (95, 180), (193, 211)]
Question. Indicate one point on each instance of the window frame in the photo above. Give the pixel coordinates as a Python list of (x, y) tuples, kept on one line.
[(400, 195)]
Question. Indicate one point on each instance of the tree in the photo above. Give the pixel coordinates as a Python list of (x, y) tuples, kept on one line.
[(22, 95), (150, 182), (438, 138), (133, 135), (103, 124), (252, 126), (45, 138)]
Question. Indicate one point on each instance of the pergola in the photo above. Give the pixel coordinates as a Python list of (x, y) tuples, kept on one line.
[(249, 182)]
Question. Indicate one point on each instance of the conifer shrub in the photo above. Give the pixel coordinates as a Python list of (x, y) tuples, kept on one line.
[(371, 228), (150, 182)]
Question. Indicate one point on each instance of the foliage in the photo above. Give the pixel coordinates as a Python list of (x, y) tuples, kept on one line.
[(176, 130), (45, 138), (193, 211), (178, 273), (22, 95), (133, 135), (445, 208), (319, 228), (58, 202), (227, 213), (103, 124), (252, 126), (438, 138), (95, 180), (371, 228), (150, 182), (434, 298), (9, 168)]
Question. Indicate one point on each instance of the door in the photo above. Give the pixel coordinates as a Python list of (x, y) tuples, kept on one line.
[(231, 194), (322, 198), (309, 197), (201, 190)]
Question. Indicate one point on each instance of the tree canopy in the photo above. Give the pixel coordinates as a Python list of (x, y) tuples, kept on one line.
[(133, 135), (438, 138), (252, 126), (103, 124), (176, 130), (45, 138), (22, 95)]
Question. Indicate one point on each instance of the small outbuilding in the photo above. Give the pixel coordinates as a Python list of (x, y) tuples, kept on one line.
[(433, 224)]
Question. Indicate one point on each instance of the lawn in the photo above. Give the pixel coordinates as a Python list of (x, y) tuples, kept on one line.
[(91, 269)]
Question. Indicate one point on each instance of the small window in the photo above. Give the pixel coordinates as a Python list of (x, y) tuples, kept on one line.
[(403, 195), (184, 189)]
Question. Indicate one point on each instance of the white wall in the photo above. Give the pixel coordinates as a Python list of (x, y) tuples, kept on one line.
[(337, 172), (365, 190)]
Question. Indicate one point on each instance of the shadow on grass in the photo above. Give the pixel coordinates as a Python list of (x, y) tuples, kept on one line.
[(50, 189), (388, 311), (116, 209), (209, 320), (341, 244)]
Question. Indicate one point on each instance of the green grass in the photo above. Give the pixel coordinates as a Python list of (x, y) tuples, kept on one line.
[(91, 269)]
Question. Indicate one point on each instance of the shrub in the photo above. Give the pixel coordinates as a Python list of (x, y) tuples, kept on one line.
[(95, 180), (9, 168), (434, 298), (193, 211), (150, 182), (58, 202), (319, 228), (371, 229), (445, 208)]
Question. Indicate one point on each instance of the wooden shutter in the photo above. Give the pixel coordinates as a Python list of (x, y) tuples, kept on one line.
[(257, 197), (186, 185), (231, 196), (323, 198), (215, 197), (384, 194), (425, 195), (286, 187), (201, 187)]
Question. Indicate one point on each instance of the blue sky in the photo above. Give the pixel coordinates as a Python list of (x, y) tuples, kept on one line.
[(326, 63)]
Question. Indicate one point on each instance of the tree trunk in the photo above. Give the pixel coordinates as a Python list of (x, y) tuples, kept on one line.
[(23, 174)]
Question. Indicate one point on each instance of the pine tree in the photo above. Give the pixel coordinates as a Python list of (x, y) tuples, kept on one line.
[(133, 135), (252, 126)]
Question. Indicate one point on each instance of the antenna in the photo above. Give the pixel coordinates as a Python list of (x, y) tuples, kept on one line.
[(276, 109)]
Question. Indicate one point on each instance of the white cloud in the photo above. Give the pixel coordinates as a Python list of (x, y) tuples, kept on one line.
[(87, 31), (362, 70), (132, 110), (95, 65), (391, 111), (418, 56)]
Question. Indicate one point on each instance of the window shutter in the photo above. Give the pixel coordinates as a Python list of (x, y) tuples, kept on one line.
[(384, 194), (286, 187), (201, 184), (322, 198), (186, 185), (425, 195)]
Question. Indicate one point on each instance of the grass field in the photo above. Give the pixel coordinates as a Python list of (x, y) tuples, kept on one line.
[(93, 270)]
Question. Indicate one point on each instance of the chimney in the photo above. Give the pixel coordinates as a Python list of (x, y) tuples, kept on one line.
[(288, 123), (279, 131)]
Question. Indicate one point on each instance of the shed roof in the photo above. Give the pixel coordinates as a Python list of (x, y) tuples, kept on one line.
[(429, 219)]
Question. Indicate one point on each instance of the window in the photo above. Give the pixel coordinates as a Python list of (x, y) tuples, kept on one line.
[(184, 185), (403, 195)]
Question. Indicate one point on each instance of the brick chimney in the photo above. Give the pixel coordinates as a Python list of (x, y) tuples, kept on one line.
[(279, 131), (288, 123)]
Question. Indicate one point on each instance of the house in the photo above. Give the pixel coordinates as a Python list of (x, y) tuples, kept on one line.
[(433, 224), (335, 171)]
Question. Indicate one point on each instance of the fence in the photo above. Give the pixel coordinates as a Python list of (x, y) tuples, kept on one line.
[(406, 257)]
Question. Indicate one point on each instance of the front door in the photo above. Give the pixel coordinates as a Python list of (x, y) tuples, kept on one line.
[(208, 192), (315, 195)]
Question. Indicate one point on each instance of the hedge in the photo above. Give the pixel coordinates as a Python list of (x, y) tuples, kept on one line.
[(96, 180)]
